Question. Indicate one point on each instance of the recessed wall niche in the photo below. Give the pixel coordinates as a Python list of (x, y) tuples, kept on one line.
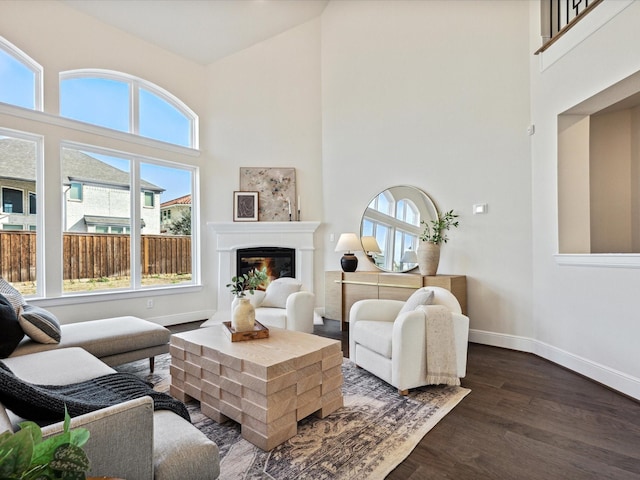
[(599, 172)]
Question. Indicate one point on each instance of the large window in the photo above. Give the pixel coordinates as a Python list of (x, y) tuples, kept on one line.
[(19, 156), (20, 78), (109, 228), (108, 207), (128, 104)]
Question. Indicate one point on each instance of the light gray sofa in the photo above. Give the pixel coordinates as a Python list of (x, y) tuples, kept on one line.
[(114, 340), (129, 440)]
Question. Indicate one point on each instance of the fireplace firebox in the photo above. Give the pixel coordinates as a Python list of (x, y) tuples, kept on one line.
[(279, 262)]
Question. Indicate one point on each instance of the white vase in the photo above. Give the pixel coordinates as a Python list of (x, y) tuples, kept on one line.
[(428, 257), (243, 317)]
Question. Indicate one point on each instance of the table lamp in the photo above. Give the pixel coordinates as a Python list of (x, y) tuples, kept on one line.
[(370, 246), (348, 243), (409, 256)]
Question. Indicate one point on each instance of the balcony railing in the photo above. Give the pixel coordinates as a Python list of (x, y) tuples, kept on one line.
[(558, 16)]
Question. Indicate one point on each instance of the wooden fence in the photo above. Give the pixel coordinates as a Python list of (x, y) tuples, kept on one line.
[(95, 255)]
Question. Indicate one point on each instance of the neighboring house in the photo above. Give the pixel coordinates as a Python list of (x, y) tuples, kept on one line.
[(17, 185), (96, 193), (173, 210)]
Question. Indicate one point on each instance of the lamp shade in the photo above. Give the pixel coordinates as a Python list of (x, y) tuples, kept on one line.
[(348, 242), (409, 256), (370, 245)]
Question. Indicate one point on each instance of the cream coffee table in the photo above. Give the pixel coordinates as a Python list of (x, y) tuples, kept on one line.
[(266, 385)]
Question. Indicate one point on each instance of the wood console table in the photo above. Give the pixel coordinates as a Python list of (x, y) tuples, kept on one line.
[(343, 289)]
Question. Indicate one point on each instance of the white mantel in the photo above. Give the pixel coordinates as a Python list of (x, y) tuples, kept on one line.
[(230, 236)]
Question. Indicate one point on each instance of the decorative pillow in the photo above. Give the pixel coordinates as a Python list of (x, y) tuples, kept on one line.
[(422, 296), (10, 293), (10, 331), (279, 290), (41, 325)]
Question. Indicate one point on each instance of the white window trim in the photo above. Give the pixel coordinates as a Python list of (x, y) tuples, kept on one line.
[(608, 260), (32, 65), (44, 117), (135, 83)]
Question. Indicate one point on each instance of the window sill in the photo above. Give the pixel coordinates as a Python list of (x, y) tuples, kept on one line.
[(107, 296), (608, 260)]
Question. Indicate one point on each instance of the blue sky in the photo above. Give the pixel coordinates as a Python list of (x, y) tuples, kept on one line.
[(105, 102)]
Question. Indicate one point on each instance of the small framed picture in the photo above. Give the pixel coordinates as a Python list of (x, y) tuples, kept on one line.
[(245, 206)]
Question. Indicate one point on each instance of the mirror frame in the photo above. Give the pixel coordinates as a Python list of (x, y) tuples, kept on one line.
[(427, 211)]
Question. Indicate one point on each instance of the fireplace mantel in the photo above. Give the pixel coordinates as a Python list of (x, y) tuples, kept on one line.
[(230, 236), (263, 227)]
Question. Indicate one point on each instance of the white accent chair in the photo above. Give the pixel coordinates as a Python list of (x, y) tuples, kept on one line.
[(394, 349), (291, 310)]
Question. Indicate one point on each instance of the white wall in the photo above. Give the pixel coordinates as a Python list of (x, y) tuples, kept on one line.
[(587, 317), (435, 94), (263, 108)]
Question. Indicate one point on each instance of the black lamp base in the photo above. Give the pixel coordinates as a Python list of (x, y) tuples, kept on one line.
[(349, 262)]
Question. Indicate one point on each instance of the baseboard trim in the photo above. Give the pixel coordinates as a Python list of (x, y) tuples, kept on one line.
[(187, 317), (614, 379)]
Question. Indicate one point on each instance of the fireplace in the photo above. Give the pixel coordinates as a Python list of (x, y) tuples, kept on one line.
[(233, 236), (279, 262)]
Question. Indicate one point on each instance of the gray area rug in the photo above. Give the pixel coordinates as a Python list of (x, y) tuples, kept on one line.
[(366, 439)]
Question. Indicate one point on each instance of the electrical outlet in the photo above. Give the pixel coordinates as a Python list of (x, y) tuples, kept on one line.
[(150, 303)]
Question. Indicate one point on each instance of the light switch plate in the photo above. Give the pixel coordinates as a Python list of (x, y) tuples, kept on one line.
[(479, 208)]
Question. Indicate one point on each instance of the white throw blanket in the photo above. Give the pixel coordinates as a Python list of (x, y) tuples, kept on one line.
[(441, 348)]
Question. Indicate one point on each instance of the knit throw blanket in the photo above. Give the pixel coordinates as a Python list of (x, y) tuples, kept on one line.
[(45, 403), (442, 364)]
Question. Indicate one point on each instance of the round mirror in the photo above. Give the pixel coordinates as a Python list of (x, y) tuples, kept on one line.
[(390, 227)]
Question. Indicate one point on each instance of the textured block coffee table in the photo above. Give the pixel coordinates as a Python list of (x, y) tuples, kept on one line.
[(266, 385)]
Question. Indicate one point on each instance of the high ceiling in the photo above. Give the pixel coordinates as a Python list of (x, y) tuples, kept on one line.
[(202, 30)]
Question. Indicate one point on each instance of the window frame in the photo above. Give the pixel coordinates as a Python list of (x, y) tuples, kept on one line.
[(38, 141), (152, 196), (135, 84), (80, 190), (136, 206), (34, 196), (31, 64), (20, 192)]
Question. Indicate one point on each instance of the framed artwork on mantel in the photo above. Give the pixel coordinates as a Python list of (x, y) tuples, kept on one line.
[(245, 206), (277, 191)]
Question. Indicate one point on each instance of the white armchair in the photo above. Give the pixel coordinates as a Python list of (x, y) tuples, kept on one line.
[(284, 305), (393, 346)]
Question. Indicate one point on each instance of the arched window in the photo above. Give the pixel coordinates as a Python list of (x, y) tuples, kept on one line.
[(128, 104), (20, 78)]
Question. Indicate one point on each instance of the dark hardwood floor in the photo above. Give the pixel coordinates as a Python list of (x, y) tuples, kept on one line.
[(525, 418)]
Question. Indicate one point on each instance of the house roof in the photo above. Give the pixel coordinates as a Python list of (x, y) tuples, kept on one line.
[(18, 160), (184, 200)]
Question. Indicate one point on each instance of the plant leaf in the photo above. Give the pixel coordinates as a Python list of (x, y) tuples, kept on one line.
[(15, 454), (69, 458)]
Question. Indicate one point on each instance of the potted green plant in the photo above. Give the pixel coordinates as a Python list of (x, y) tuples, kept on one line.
[(247, 282), (432, 237), (25, 455), (243, 315)]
